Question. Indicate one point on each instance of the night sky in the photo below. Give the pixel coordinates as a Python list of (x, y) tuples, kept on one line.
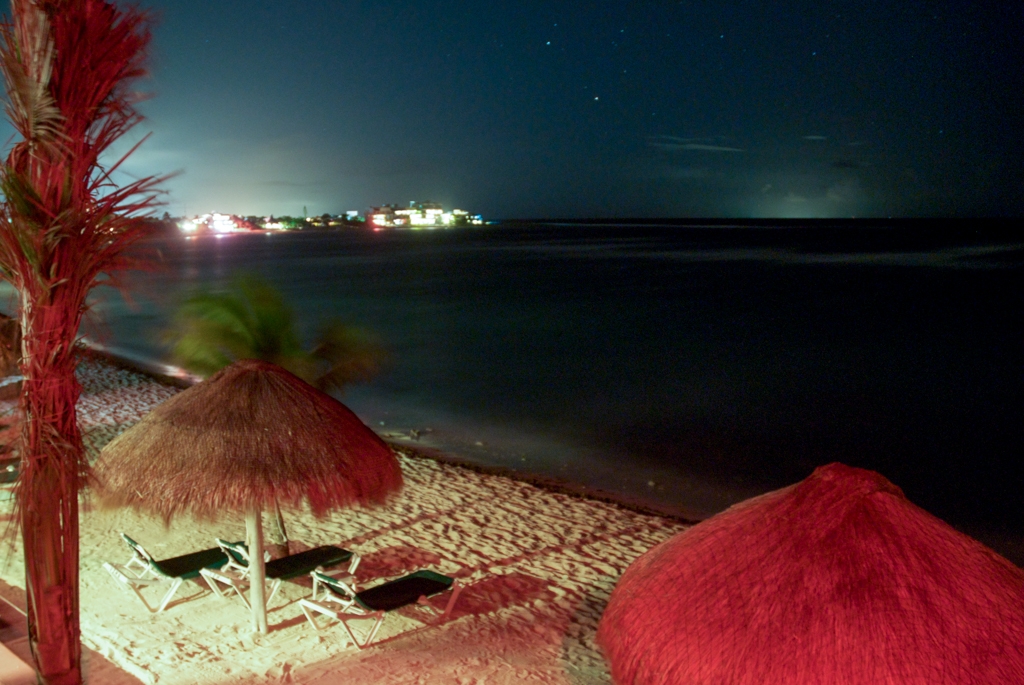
[(607, 109)]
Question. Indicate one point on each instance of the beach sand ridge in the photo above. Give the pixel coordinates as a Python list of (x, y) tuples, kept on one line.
[(537, 567)]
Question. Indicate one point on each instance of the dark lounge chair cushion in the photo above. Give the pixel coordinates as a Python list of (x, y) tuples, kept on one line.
[(403, 591), (189, 565), (300, 564)]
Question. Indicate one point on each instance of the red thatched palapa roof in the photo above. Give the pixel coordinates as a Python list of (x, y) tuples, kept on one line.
[(250, 435), (838, 579)]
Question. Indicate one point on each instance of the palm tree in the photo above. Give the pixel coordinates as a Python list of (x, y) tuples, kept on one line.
[(251, 320), (213, 328), (68, 67)]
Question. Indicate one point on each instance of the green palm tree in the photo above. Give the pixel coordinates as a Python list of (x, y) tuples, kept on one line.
[(213, 328), (251, 320)]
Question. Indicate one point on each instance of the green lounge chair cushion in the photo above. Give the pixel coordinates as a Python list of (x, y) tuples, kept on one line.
[(405, 590), (300, 564), (189, 565)]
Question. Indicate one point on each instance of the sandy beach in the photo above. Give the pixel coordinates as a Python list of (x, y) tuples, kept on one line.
[(537, 567)]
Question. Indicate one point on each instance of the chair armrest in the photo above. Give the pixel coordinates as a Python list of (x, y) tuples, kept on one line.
[(343, 576), (237, 554), (226, 575), (122, 575)]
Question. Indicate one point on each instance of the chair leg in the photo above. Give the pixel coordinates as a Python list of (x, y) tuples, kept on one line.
[(215, 579), (378, 622), (170, 593), (456, 589), (213, 583), (309, 610), (373, 631), (132, 584), (241, 595), (143, 600), (273, 590)]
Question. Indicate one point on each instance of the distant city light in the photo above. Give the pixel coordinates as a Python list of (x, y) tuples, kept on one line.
[(222, 223), (216, 223), (420, 215)]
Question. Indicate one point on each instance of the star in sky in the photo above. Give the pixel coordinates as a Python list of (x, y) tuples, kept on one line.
[(547, 109)]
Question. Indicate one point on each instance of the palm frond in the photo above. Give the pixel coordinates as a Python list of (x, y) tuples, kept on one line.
[(272, 321), (26, 61), (211, 331), (347, 355), (251, 320)]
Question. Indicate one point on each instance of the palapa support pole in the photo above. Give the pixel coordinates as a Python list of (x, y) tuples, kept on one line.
[(257, 578)]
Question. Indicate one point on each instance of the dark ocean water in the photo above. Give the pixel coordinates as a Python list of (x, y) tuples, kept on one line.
[(688, 366)]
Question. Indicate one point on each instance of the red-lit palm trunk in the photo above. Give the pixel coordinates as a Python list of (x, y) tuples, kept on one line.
[(51, 448), (64, 225)]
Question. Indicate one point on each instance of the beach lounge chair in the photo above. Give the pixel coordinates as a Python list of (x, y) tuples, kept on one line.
[(142, 570), (235, 573), (340, 601)]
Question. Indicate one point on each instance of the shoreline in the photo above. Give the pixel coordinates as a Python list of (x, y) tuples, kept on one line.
[(700, 385), (1006, 542), (158, 373), (563, 487), (536, 568), (537, 565)]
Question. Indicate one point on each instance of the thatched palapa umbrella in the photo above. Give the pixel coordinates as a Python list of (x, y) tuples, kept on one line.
[(248, 437), (837, 579)]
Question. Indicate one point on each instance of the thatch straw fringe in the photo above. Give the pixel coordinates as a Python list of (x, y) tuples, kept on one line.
[(251, 435), (837, 579)]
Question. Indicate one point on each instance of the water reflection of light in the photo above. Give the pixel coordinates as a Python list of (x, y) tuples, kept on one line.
[(178, 372)]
